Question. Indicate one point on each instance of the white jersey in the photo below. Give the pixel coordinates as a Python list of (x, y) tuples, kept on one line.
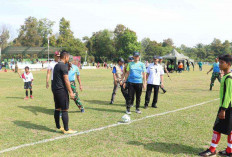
[(154, 71), (27, 77), (51, 67)]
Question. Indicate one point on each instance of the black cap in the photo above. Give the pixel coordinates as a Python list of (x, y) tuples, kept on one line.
[(130, 58), (136, 53), (121, 60)]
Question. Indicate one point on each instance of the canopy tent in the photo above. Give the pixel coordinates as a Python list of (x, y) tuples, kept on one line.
[(176, 57)]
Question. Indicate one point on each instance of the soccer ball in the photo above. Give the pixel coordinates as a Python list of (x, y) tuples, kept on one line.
[(126, 118)]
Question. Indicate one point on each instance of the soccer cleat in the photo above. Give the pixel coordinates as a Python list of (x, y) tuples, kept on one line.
[(61, 130), (70, 131), (111, 102), (128, 111), (138, 111), (82, 110), (207, 153), (31, 97), (26, 98), (224, 153)]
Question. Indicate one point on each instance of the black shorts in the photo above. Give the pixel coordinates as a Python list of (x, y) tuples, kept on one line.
[(61, 99), (27, 85)]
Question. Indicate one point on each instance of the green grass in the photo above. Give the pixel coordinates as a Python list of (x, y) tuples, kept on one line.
[(183, 133)]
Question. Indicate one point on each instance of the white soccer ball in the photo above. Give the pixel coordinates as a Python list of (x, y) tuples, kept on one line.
[(126, 118)]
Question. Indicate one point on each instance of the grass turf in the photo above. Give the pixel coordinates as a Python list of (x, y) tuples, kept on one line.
[(183, 133)]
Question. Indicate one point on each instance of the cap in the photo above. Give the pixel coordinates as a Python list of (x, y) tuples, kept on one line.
[(160, 57), (130, 58), (156, 57), (136, 54), (57, 53), (121, 60)]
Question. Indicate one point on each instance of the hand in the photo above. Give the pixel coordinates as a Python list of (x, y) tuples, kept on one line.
[(115, 82), (222, 114), (124, 85), (144, 86), (47, 85), (121, 83), (162, 85), (80, 87), (72, 96)]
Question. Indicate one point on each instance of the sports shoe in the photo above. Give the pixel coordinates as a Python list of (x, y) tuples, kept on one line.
[(111, 102), (224, 153), (207, 153), (128, 111), (154, 106), (26, 98), (61, 130), (82, 110), (138, 111), (31, 97), (70, 131)]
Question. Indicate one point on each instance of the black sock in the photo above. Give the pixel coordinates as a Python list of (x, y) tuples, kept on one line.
[(31, 92), (57, 118), (65, 120), (26, 92)]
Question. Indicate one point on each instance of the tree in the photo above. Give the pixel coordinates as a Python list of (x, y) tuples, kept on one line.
[(168, 42), (4, 36)]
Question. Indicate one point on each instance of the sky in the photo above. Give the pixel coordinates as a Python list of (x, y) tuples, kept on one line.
[(187, 22)]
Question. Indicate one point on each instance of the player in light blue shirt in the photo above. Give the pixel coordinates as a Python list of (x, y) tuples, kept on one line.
[(216, 73), (74, 71), (136, 74)]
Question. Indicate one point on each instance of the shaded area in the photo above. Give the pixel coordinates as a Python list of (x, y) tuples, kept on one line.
[(29, 125), (38, 109), (15, 98), (105, 109), (100, 102), (168, 148)]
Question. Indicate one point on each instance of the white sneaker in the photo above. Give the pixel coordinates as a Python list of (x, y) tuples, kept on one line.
[(138, 111), (128, 112)]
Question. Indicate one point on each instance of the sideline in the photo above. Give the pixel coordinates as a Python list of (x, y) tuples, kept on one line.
[(101, 128)]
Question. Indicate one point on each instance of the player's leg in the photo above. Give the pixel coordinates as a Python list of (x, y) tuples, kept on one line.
[(138, 92), (148, 95), (155, 96), (219, 77), (77, 99), (213, 78), (131, 92), (114, 93), (30, 87), (124, 93), (212, 150)]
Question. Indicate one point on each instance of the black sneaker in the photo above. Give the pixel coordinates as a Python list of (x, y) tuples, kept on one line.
[(224, 153), (207, 153), (111, 102), (154, 106)]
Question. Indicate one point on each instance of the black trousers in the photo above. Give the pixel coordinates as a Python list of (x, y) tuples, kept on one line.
[(134, 88), (148, 94), (125, 92)]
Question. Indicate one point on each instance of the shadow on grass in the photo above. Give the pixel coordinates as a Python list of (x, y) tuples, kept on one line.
[(168, 148), (38, 109), (104, 109), (15, 98), (29, 125), (100, 102)]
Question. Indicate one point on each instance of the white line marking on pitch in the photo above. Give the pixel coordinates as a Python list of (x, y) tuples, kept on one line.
[(101, 128)]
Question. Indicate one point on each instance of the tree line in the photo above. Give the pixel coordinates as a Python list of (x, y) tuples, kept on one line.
[(105, 45)]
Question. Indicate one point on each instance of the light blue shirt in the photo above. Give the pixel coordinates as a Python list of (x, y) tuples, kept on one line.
[(136, 70), (216, 68), (72, 72)]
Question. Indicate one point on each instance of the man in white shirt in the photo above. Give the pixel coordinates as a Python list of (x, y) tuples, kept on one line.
[(51, 68), (155, 74)]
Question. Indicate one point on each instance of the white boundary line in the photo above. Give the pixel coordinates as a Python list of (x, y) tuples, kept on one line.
[(101, 128)]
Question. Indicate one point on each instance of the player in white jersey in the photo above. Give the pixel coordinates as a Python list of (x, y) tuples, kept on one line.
[(27, 79), (51, 68)]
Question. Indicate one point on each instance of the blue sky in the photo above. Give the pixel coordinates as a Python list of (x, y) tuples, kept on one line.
[(185, 21)]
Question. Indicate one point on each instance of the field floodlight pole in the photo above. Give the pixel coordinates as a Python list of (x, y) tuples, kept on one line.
[(48, 50), (85, 55)]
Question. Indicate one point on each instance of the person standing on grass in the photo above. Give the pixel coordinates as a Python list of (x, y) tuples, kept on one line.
[(136, 74), (118, 79), (155, 74), (165, 69), (223, 122), (200, 65), (61, 90), (28, 78), (51, 68), (74, 71), (216, 73), (188, 66)]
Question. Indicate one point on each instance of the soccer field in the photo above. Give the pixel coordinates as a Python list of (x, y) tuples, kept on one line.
[(183, 132)]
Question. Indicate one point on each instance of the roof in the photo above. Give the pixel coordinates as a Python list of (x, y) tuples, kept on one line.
[(175, 55), (29, 50)]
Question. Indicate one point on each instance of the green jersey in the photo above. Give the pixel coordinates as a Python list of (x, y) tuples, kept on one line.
[(226, 91)]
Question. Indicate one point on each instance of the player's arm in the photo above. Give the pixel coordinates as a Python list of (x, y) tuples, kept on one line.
[(210, 70), (68, 86), (144, 80), (79, 81), (167, 72), (20, 76), (48, 77), (227, 98)]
